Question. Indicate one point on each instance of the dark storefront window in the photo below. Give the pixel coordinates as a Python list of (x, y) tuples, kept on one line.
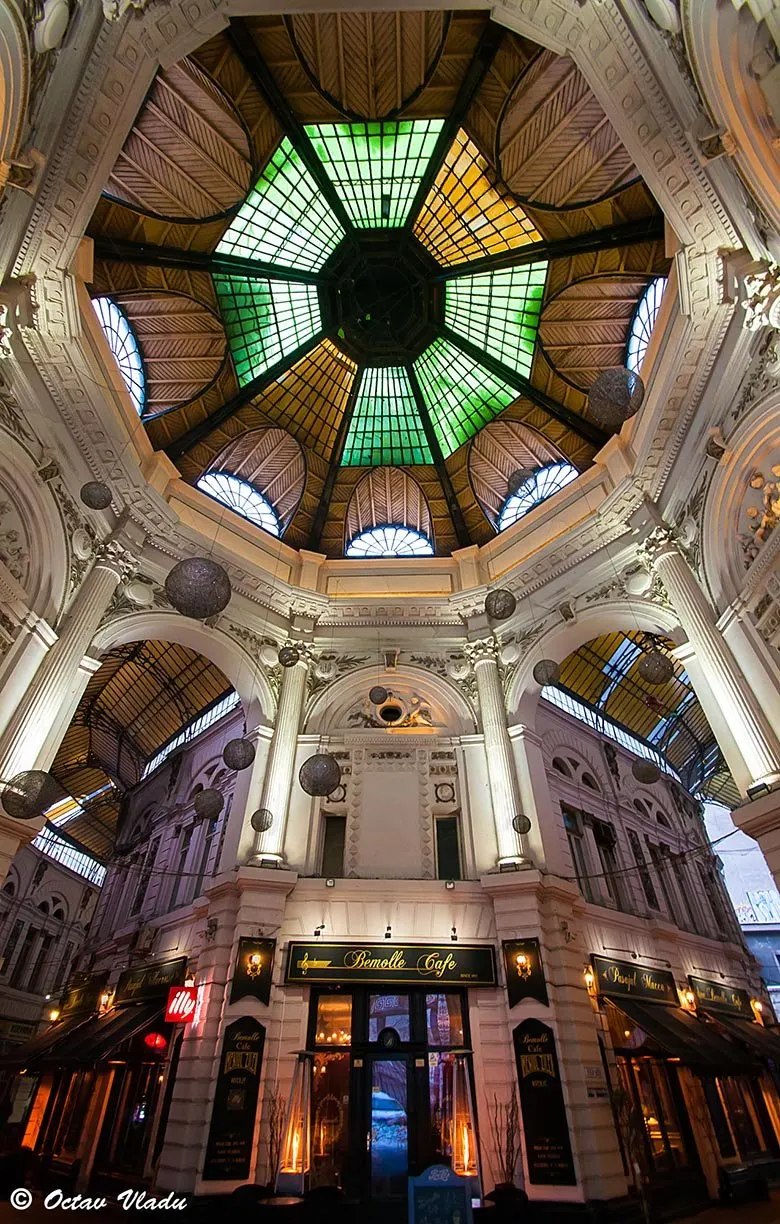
[(741, 1111), (124, 1142), (330, 1118), (333, 841), (70, 1119), (447, 848), (646, 1081), (388, 1011)]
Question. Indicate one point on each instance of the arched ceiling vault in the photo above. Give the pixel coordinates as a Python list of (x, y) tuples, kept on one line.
[(378, 232)]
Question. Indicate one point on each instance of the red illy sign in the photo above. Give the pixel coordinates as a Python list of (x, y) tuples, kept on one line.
[(182, 1001)]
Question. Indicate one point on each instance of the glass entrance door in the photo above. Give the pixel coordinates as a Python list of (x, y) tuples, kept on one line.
[(388, 1138)]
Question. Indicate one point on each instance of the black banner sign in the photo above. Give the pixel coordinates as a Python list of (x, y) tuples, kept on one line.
[(408, 965), (231, 1133), (623, 978), (149, 982), (254, 969), (524, 971), (82, 993), (714, 996), (546, 1129)]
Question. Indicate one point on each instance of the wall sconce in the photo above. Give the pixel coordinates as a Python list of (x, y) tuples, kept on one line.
[(330, 883), (454, 934), (758, 1008), (318, 930), (190, 979), (388, 932), (523, 965), (590, 978), (449, 884), (254, 964), (689, 999), (105, 1000), (54, 1014)]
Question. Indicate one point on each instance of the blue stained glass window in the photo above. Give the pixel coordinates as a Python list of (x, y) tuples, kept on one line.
[(242, 497), (643, 322), (123, 343), (499, 311), (391, 540), (543, 484)]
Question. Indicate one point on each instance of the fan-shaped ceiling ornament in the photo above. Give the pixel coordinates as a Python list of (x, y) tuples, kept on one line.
[(187, 157), (556, 147), (271, 460), (387, 495), (390, 57)]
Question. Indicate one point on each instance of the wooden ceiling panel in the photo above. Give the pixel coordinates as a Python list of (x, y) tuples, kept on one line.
[(272, 40), (167, 429), (220, 60), (387, 495), (298, 534), (498, 450), (439, 94), (188, 154), (112, 220), (514, 55), (584, 329)]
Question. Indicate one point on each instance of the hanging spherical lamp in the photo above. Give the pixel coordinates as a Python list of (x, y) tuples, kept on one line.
[(614, 397), (547, 671), (517, 479), (261, 820), (208, 803), (30, 794), (645, 771), (655, 667), (320, 774), (378, 695), (289, 656), (500, 604), (520, 823), (238, 753), (96, 495), (198, 587)]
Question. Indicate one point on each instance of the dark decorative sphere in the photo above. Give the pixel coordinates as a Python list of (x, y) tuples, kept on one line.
[(198, 587), (518, 478), (96, 495), (655, 667), (238, 753), (261, 820), (521, 823), (645, 771), (614, 397), (289, 656), (320, 774), (378, 695), (29, 794), (208, 803), (500, 605), (547, 671)]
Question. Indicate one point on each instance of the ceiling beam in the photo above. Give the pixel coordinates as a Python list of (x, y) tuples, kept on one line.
[(197, 261), (579, 425), (245, 47), (649, 229), (476, 72), (318, 526), (453, 505), (184, 444)]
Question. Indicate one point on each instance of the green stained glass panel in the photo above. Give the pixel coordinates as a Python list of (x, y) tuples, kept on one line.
[(376, 167), (265, 320), (461, 395), (499, 311), (285, 219), (386, 425)]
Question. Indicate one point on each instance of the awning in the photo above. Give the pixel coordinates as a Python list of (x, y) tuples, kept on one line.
[(681, 1035), (761, 1041), (102, 1035), (45, 1047)]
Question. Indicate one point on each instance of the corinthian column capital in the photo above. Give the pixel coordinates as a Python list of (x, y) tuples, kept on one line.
[(117, 557), (482, 650), (660, 542)]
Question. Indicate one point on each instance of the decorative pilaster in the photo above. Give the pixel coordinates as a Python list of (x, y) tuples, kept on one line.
[(751, 730), (280, 767), (24, 740), (502, 776)]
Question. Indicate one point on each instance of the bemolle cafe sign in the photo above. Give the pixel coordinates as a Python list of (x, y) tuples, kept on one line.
[(625, 979), (407, 964), (716, 997)]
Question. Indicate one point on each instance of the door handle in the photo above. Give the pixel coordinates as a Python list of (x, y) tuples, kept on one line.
[(368, 1140)]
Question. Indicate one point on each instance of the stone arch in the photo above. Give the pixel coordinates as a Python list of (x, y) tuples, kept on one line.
[(452, 712), (560, 746), (14, 80), (43, 569)]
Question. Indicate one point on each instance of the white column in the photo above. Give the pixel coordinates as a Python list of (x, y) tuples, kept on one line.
[(543, 841), (757, 755), (280, 767), (22, 743), (502, 777)]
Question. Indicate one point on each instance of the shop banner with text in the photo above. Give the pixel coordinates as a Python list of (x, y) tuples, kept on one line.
[(231, 1134), (545, 1126), (407, 964)]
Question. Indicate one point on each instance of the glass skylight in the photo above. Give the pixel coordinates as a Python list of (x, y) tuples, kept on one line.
[(499, 311), (123, 343), (285, 218), (643, 322), (543, 484), (393, 540), (386, 426), (376, 167), (242, 497), (265, 320), (460, 394)]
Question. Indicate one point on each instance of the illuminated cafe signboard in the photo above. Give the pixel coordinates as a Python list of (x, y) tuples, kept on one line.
[(717, 997), (627, 979), (152, 982), (406, 964)]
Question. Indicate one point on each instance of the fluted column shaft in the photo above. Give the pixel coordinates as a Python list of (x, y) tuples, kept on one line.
[(280, 766), (26, 734), (502, 776), (748, 724)]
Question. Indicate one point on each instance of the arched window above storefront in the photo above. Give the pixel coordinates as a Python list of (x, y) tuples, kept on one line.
[(643, 323), (536, 489), (242, 497), (123, 343)]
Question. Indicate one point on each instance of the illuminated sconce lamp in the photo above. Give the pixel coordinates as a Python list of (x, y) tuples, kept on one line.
[(105, 1001), (54, 1014), (295, 1165), (758, 1009), (590, 978), (523, 965), (689, 999), (462, 1130), (254, 964)]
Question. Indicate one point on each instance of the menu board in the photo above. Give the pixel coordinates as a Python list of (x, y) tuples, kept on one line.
[(439, 1196)]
